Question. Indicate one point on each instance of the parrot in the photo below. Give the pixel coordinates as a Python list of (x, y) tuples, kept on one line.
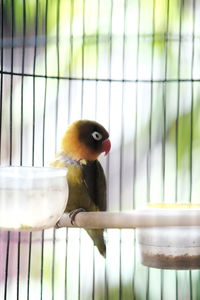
[(81, 145)]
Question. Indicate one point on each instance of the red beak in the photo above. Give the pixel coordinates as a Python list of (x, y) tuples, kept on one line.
[(106, 145)]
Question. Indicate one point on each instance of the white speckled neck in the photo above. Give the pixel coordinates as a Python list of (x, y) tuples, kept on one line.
[(67, 160)]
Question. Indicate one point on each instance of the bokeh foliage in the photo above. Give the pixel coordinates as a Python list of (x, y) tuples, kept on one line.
[(151, 45)]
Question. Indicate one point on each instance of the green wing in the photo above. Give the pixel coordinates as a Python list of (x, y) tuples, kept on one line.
[(95, 182)]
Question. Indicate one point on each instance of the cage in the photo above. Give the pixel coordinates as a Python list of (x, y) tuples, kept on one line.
[(132, 65)]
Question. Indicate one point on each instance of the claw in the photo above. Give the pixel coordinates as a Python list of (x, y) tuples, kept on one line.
[(73, 214), (57, 225)]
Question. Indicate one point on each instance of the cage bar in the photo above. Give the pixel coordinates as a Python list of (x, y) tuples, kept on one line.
[(132, 66)]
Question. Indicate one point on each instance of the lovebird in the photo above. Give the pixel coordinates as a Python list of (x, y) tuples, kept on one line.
[(81, 145)]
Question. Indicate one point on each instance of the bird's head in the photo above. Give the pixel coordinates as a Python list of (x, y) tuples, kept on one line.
[(86, 140)]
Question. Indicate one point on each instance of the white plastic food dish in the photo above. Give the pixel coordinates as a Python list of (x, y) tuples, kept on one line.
[(32, 198), (171, 247)]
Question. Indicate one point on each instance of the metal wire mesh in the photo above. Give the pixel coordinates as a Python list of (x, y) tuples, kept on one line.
[(134, 67)]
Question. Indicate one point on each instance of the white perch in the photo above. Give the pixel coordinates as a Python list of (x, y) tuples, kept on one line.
[(134, 219)]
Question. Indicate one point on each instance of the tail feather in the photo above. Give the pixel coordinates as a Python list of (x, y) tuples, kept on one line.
[(98, 239)]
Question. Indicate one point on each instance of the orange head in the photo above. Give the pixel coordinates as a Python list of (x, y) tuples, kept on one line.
[(85, 139)]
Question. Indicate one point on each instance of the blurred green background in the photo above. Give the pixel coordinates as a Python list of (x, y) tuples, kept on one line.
[(132, 65)]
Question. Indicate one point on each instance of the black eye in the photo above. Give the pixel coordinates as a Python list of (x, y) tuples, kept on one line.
[(96, 135)]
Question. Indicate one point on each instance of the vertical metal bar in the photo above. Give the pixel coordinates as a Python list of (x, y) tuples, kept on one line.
[(11, 81), (18, 264), (164, 100), (56, 127), (21, 137), (33, 138), (45, 88), (82, 92), (22, 81), (150, 130), (191, 120), (108, 160), (11, 138), (34, 67), (97, 54), (68, 120), (122, 144), (93, 272), (71, 57), (6, 268), (109, 76), (79, 266), (96, 89), (135, 137), (177, 119), (83, 56), (178, 99), (192, 98), (151, 108), (29, 266), (42, 265), (53, 266), (1, 87), (66, 247), (43, 141), (58, 67), (164, 124)]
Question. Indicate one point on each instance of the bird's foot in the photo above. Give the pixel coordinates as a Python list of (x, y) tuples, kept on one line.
[(73, 214), (57, 225)]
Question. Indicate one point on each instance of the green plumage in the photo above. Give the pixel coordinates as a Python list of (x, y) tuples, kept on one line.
[(87, 190), (82, 143)]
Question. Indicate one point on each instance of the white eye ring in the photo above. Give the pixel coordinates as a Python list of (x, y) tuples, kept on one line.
[(96, 135)]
